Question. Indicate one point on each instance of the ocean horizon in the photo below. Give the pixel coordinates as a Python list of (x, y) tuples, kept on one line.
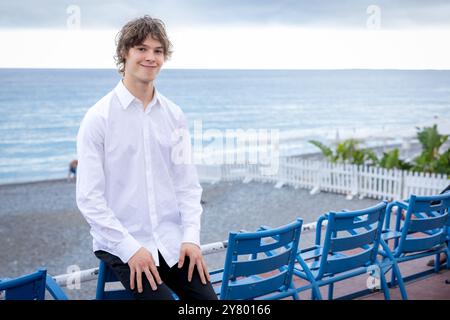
[(41, 109)]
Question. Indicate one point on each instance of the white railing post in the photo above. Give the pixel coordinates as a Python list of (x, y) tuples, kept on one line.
[(317, 177), (354, 171), (283, 172)]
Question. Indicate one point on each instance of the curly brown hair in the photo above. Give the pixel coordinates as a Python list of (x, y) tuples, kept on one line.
[(135, 32)]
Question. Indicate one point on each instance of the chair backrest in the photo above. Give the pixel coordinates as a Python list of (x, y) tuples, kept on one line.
[(27, 287), (351, 239), (270, 267), (106, 275), (426, 223), (31, 287)]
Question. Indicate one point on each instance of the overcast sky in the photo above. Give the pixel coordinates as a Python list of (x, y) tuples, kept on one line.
[(111, 14), (319, 34)]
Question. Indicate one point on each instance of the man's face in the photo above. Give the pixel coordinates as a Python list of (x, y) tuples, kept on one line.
[(144, 61)]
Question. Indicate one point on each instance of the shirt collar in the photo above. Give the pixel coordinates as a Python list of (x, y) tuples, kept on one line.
[(126, 97)]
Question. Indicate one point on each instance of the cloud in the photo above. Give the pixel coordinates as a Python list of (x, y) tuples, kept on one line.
[(112, 14), (231, 34), (229, 48)]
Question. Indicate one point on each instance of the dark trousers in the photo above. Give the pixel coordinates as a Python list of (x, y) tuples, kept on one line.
[(174, 279)]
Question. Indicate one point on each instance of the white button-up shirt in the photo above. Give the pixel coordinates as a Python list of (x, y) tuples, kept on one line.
[(128, 188)]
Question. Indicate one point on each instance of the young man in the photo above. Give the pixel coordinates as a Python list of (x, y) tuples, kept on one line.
[(143, 208)]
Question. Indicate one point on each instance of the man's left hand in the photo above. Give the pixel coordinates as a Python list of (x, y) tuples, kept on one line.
[(195, 259)]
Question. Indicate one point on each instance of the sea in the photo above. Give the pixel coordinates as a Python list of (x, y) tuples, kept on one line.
[(41, 109)]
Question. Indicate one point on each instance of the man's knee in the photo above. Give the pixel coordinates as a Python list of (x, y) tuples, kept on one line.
[(161, 293)]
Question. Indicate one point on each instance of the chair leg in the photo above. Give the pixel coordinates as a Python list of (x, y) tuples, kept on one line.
[(330, 291), (395, 270), (315, 292), (294, 295), (316, 295), (401, 285), (447, 253), (393, 278), (385, 270), (437, 263), (384, 286)]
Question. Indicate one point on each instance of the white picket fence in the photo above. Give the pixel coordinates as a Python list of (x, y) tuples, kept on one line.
[(423, 184), (351, 180)]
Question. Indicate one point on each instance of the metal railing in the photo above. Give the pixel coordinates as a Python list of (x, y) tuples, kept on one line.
[(67, 279)]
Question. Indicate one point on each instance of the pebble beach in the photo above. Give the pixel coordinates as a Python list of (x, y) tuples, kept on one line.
[(42, 226)]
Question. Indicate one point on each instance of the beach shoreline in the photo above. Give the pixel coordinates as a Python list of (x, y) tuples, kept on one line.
[(21, 183), (413, 148)]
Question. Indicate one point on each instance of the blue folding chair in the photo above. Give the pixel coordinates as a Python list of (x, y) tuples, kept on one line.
[(349, 249), (421, 232), (31, 287), (106, 275), (259, 265)]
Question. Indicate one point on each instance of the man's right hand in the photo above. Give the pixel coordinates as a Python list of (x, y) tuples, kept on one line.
[(142, 262)]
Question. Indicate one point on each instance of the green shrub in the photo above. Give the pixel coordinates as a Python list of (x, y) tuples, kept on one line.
[(430, 160)]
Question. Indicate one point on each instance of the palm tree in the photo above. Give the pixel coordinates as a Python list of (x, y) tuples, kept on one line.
[(430, 160), (391, 159), (347, 150)]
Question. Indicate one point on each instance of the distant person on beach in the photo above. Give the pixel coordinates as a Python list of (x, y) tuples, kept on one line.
[(72, 174), (141, 201)]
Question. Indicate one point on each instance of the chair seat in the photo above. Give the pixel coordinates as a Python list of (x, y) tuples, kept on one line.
[(315, 252), (246, 280), (311, 253), (390, 234)]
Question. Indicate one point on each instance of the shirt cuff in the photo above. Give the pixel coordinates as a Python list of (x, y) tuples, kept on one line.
[(127, 248), (192, 235)]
